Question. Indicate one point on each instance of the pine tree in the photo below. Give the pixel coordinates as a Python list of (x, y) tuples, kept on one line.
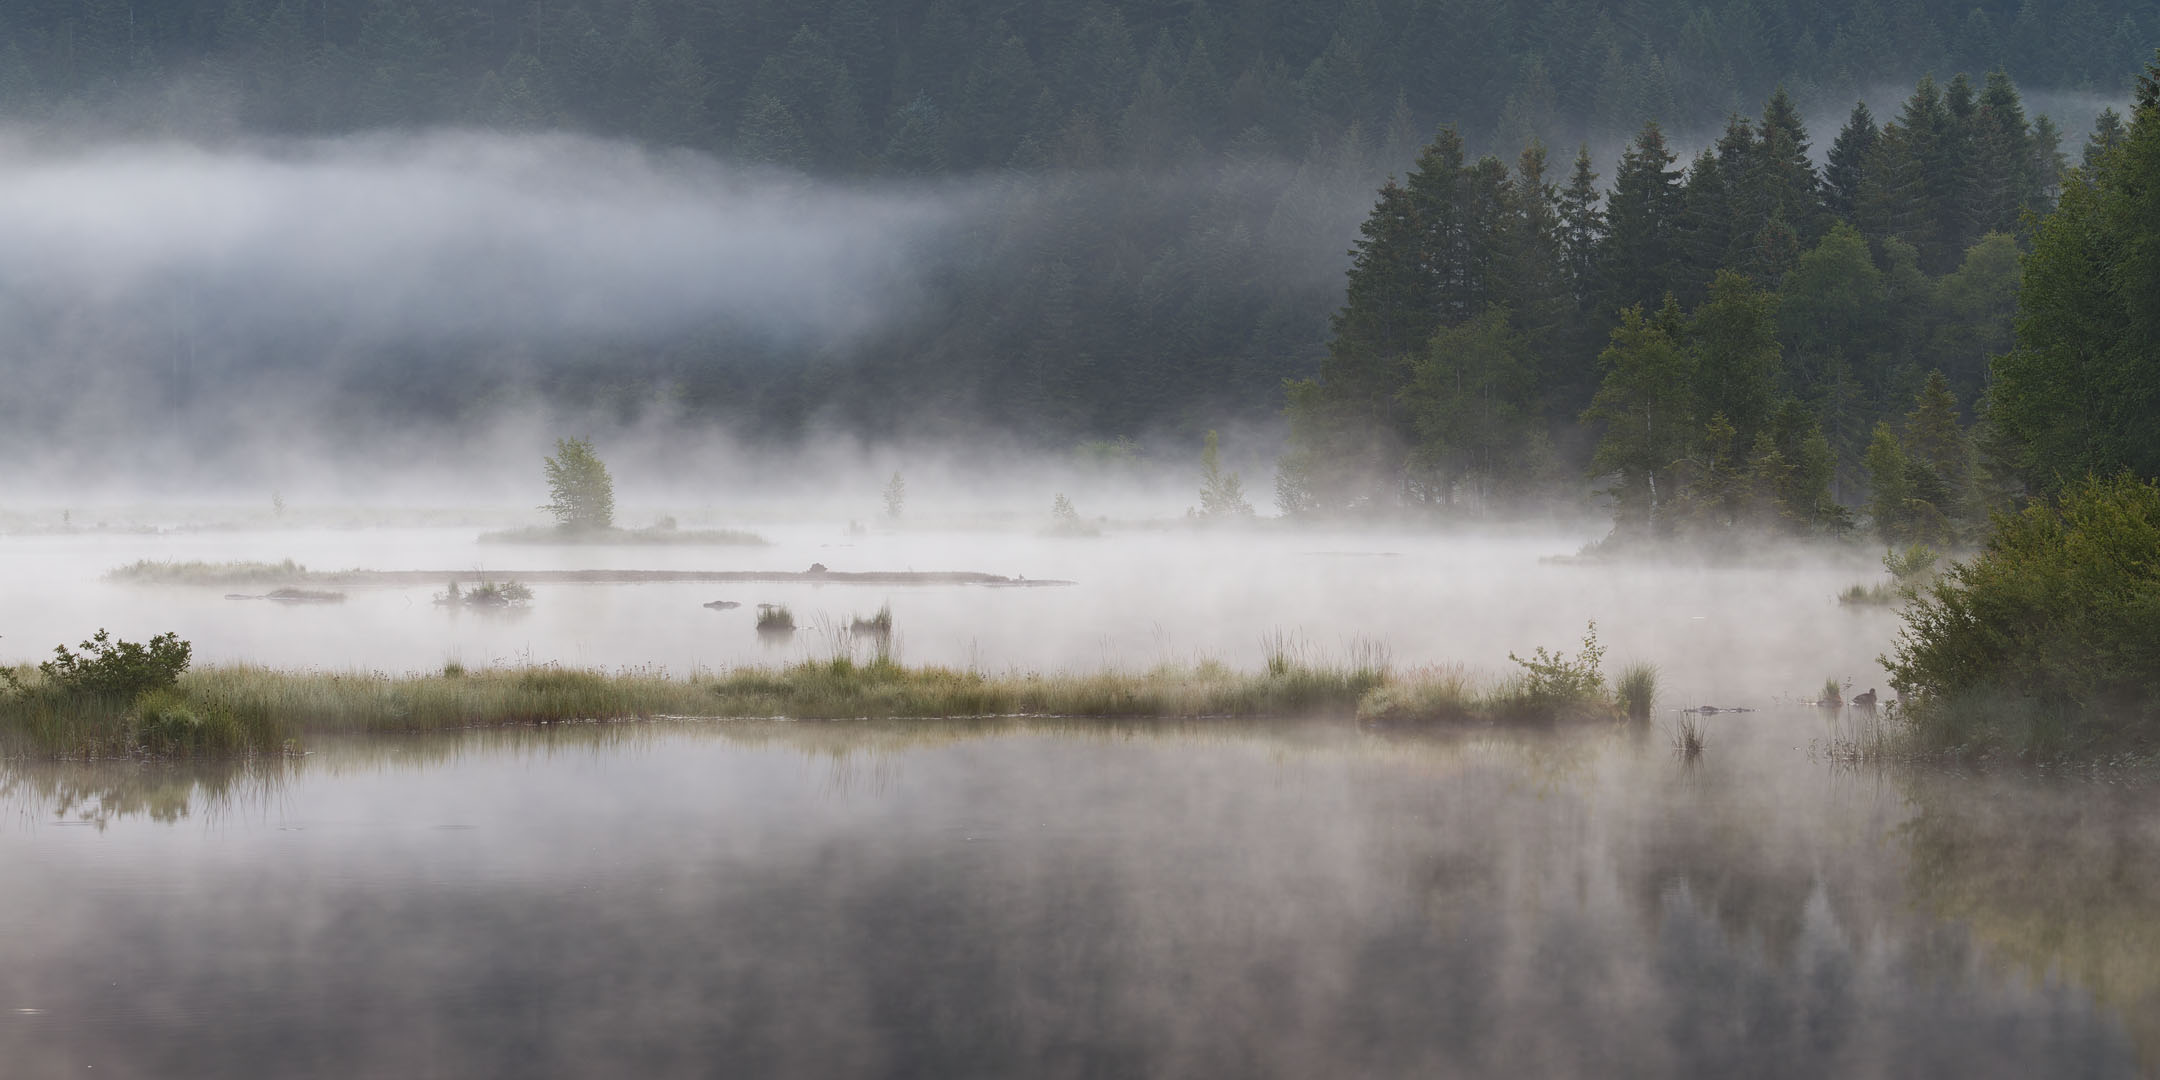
[(1849, 157), (1707, 217), (2108, 133), (1642, 254), (1582, 228), (1783, 184)]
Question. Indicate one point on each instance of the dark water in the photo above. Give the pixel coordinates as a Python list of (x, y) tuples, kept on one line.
[(948, 900)]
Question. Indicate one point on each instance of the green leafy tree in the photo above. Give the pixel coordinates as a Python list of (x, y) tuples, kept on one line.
[(2079, 393), (895, 496), (1890, 486), (1646, 404), (1222, 494), (1733, 337), (581, 493), (1470, 397)]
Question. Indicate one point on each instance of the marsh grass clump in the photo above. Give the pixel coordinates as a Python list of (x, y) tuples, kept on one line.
[(163, 572), (486, 594), (1833, 693), (1432, 695), (1881, 594), (775, 619), (1635, 691), (1688, 737), (248, 709), (876, 626)]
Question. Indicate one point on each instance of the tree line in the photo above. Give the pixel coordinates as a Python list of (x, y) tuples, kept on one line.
[(1745, 338), (911, 86)]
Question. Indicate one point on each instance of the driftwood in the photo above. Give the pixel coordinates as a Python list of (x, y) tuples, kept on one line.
[(292, 596)]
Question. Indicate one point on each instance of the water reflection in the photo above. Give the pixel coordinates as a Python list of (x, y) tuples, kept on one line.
[(1029, 898)]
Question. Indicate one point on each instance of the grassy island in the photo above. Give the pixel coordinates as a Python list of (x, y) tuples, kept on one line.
[(247, 709)]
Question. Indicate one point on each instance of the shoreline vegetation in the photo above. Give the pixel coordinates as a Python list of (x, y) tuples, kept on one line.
[(289, 573), (243, 709)]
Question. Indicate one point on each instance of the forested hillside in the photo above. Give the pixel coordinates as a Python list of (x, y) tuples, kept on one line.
[(1158, 196), (851, 86), (1751, 340)]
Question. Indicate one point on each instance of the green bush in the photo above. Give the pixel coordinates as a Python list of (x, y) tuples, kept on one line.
[(106, 666), (1554, 677), (2046, 641)]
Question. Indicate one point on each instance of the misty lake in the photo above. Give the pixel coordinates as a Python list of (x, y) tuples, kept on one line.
[(1746, 636), (944, 899)]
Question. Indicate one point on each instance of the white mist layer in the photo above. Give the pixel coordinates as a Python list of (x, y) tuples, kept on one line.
[(456, 234)]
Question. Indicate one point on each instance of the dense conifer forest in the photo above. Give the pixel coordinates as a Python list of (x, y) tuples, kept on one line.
[(1624, 254)]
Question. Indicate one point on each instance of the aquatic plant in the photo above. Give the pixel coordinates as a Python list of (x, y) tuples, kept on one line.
[(1635, 691), (1688, 738), (775, 619), (878, 625)]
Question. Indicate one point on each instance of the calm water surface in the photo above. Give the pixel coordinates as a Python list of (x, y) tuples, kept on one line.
[(942, 900)]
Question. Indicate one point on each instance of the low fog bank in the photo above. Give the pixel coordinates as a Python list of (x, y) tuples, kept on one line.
[(206, 311)]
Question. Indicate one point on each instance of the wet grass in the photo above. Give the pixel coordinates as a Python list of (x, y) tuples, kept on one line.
[(247, 709), (1882, 594), (163, 572), (1635, 691)]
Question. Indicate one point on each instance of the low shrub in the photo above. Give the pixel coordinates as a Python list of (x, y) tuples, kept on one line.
[(126, 668), (2045, 643)]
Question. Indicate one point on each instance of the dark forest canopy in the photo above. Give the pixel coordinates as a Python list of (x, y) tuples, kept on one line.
[(1157, 202), (1748, 338), (850, 86)]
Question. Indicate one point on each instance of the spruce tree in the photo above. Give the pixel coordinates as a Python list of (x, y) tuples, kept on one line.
[(2107, 134), (1849, 156), (1582, 227), (1642, 252)]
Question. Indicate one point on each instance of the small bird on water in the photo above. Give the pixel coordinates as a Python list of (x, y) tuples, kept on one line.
[(1865, 701)]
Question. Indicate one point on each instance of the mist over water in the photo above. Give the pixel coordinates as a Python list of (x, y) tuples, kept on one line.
[(1730, 636)]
